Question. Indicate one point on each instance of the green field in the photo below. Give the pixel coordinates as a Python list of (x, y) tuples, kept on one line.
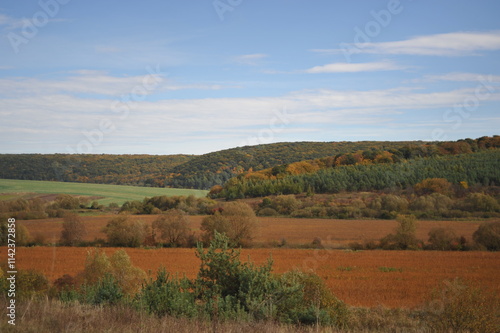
[(109, 193)]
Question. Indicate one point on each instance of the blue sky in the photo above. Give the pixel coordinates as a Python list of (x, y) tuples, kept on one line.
[(165, 77)]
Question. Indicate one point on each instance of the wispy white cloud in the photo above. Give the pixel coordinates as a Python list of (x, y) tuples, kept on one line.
[(250, 59), (461, 77), (344, 67), (93, 82), (447, 44), (11, 23), (63, 119)]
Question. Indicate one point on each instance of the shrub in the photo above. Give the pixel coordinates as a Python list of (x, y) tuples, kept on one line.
[(488, 236), (479, 202), (173, 227), (459, 307), (31, 283), (286, 204), (394, 203), (107, 290), (168, 296), (268, 212), (443, 239)]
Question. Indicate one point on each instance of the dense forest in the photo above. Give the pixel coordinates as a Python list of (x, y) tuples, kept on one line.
[(265, 162), (142, 170), (474, 168)]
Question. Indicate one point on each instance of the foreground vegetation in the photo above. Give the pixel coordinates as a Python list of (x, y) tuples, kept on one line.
[(227, 294)]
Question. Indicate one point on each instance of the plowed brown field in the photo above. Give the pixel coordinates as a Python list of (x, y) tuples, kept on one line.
[(367, 278), (294, 231)]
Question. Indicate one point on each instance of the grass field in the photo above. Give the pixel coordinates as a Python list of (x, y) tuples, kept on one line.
[(107, 193), (367, 278)]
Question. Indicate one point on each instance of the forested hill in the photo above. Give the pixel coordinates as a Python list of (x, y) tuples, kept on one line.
[(142, 170), (205, 171), (216, 168)]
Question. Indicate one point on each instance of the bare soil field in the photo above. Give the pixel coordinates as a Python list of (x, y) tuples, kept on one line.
[(366, 278)]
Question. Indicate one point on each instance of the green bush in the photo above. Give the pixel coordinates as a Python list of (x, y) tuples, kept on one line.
[(479, 202), (167, 296), (107, 290), (226, 287)]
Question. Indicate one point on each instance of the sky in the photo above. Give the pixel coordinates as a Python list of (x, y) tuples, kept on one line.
[(192, 77)]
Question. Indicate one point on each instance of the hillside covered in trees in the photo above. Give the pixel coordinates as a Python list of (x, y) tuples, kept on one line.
[(141, 170), (269, 162)]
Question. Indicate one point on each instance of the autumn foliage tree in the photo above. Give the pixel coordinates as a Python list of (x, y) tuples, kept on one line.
[(236, 220), (122, 231), (433, 185), (172, 227), (73, 230)]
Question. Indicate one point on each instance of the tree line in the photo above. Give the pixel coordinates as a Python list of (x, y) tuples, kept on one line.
[(216, 168)]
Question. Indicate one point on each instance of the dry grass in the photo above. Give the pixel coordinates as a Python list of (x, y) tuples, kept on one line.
[(53, 316), (368, 279), (295, 231)]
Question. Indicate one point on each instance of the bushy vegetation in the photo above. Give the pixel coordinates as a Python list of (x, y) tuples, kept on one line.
[(461, 307), (125, 231), (155, 205), (488, 236), (172, 228)]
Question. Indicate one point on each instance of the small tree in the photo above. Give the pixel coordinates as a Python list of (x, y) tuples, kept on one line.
[(121, 231), (73, 230), (237, 220), (405, 234), (173, 227), (98, 265), (406, 231)]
